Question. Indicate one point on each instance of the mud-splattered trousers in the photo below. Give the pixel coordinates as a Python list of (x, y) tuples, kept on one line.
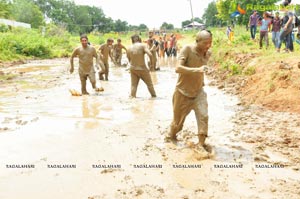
[(83, 77), (183, 105), (117, 57), (105, 70), (136, 75)]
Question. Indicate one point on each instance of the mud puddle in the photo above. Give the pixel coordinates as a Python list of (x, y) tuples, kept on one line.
[(111, 139)]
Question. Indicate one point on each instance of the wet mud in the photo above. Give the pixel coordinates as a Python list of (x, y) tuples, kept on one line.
[(117, 143)]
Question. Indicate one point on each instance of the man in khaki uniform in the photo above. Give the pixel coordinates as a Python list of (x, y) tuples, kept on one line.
[(117, 52), (105, 52), (189, 93), (153, 61), (85, 53), (138, 70)]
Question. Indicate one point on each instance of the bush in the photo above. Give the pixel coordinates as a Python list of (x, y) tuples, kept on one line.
[(3, 28)]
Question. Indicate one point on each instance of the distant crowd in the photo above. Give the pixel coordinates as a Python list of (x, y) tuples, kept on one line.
[(283, 28)]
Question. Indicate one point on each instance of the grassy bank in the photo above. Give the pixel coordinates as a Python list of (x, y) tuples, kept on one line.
[(53, 42)]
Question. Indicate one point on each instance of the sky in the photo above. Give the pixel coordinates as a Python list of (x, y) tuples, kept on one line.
[(151, 13)]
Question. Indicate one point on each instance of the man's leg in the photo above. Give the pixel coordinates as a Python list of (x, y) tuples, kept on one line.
[(92, 79), (282, 37), (134, 82), (182, 106), (101, 76), (102, 69), (267, 39), (261, 35), (146, 77), (106, 70), (201, 113), (252, 31), (83, 78), (119, 59), (274, 38)]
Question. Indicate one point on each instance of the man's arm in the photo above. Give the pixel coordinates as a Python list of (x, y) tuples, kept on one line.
[(180, 68), (95, 54), (109, 53), (128, 55), (148, 52), (124, 48), (74, 54), (288, 22), (249, 21), (181, 64)]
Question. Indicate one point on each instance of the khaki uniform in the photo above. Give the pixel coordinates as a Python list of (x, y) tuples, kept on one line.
[(152, 63), (117, 53), (138, 69), (105, 52), (86, 68), (189, 94)]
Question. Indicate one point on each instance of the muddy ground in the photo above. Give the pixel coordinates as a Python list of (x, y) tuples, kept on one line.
[(43, 126)]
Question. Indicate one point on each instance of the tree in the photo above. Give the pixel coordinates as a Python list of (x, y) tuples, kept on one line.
[(77, 19), (5, 9), (198, 20), (27, 12), (121, 26), (210, 15), (186, 22), (83, 20), (166, 26), (98, 17), (227, 7), (142, 27)]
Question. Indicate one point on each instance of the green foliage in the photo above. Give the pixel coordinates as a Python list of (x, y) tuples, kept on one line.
[(271, 86), (226, 7), (21, 42), (4, 9), (232, 67), (28, 43), (249, 71), (166, 26), (210, 15), (3, 28), (7, 76), (27, 12)]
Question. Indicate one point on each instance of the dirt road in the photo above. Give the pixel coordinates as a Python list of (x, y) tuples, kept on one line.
[(106, 145)]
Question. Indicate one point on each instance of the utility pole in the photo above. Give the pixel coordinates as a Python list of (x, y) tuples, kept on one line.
[(192, 12)]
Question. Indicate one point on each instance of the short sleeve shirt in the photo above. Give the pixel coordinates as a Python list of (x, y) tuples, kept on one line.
[(190, 84)]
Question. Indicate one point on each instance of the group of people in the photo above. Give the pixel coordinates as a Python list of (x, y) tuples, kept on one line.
[(281, 27), (189, 93), (164, 47)]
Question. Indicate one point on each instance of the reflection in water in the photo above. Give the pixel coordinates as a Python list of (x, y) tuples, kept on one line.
[(171, 61), (154, 77), (90, 109)]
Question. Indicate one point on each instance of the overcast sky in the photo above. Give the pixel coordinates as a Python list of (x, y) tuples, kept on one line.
[(152, 13)]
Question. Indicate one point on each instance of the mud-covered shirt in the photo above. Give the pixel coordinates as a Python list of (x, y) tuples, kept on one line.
[(153, 51), (136, 56), (105, 51), (118, 48), (85, 56), (190, 84)]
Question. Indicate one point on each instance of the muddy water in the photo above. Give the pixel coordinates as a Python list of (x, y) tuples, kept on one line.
[(41, 124)]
